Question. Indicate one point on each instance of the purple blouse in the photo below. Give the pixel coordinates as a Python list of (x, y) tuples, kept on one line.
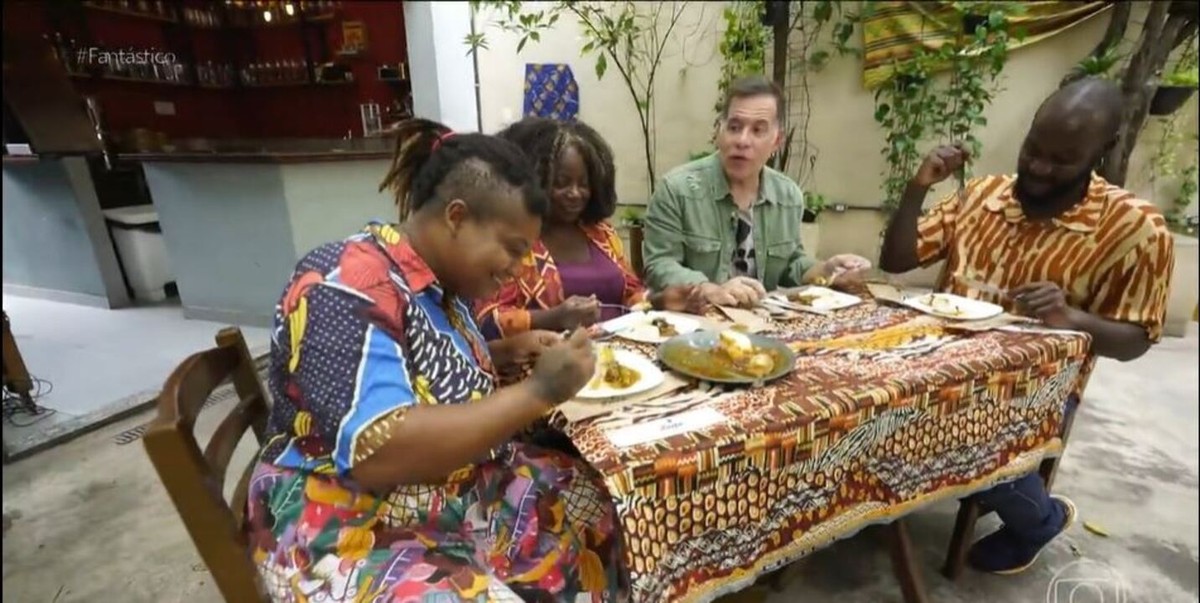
[(598, 276)]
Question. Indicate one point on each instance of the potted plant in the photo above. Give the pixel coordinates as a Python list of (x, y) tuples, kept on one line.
[(1179, 83), (1182, 301), (814, 204), (1175, 90), (632, 223), (810, 232)]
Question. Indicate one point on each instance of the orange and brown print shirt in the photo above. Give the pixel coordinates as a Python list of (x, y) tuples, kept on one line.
[(1112, 254)]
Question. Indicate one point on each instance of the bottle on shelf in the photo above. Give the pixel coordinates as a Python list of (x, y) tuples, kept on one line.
[(61, 52)]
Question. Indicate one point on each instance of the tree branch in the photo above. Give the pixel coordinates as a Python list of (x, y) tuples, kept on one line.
[(1136, 89)]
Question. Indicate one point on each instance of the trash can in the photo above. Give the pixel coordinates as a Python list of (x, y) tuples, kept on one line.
[(141, 249)]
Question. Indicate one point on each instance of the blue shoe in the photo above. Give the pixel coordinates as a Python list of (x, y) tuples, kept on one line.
[(1006, 552)]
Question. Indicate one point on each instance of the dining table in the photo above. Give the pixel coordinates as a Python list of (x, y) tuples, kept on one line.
[(886, 412)]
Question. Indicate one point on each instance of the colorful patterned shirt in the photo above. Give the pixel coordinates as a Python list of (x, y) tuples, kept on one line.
[(1111, 254), (538, 285), (362, 333)]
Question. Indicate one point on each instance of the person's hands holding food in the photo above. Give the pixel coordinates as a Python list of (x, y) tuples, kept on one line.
[(940, 164), (843, 270), (1047, 302), (741, 291), (681, 298), (576, 311), (564, 368), (525, 348)]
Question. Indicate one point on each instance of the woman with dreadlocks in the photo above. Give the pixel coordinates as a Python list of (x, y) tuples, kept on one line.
[(576, 274), (391, 471)]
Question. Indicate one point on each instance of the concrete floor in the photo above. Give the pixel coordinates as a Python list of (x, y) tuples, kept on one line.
[(98, 362), (89, 520)]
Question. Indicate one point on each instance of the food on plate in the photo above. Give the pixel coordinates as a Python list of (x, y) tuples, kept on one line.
[(805, 298), (943, 304), (759, 365), (611, 373), (734, 344), (733, 356), (742, 355), (664, 326)]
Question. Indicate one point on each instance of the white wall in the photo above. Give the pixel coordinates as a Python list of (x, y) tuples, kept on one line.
[(350, 186), (442, 73), (686, 89)]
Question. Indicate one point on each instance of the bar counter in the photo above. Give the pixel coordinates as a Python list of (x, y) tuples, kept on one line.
[(237, 218)]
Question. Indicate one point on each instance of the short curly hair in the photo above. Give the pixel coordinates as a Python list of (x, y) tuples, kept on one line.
[(544, 141)]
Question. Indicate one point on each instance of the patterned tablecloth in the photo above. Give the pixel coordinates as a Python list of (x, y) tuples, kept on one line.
[(886, 412)]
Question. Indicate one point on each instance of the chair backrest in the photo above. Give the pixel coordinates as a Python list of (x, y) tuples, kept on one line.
[(194, 478), (636, 236)]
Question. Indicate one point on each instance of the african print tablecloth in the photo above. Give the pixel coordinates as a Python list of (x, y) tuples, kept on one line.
[(886, 412)]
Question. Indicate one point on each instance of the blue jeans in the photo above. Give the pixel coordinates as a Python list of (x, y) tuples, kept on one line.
[(1024, 505)]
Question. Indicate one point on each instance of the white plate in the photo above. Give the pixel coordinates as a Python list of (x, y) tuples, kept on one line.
[(827, 299), (636, 326), (650, 377), (956, 307)]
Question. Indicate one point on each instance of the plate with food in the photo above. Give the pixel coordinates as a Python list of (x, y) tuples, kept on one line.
[(651, 327), (956, 307), (819, 298), (729, 356), (621, 373)]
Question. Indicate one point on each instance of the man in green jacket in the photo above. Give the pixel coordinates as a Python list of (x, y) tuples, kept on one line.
[(729, 223)]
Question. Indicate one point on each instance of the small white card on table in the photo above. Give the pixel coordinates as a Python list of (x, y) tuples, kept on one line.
[(665, 427)]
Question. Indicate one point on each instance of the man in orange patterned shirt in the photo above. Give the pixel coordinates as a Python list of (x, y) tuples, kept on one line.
[(1058, 243)]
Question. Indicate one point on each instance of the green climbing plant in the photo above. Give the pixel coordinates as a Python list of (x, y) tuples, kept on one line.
[(1167, 165), (743, 44), (914, 108), (1176, 214)]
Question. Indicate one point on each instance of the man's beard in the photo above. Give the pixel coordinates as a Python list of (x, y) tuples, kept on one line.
[(1053, 195)]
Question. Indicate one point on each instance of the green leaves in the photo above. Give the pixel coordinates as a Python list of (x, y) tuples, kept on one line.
[(475, 41), (842, 33), (823, 11), (917, 112), (601, 66), (817, 60)]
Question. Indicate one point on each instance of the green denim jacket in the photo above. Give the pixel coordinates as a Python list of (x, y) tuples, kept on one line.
[(690, 224)]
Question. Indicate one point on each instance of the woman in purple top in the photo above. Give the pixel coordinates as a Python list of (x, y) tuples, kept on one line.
[(576, 274)]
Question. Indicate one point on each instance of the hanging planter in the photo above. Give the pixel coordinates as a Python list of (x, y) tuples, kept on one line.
[(1168, 99), (971, 22), (1174, 92)]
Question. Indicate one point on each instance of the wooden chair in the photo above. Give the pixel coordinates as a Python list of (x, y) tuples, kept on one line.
[(969, 511), (195, 479)]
